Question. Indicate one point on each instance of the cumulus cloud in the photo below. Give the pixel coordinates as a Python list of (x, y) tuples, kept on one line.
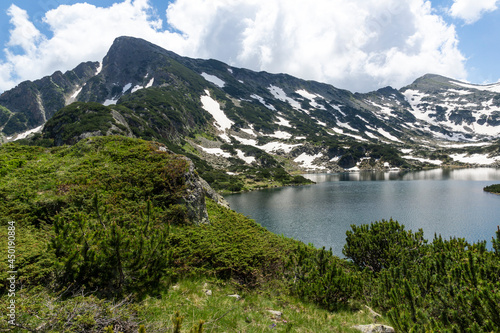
[(358, 45), (472, 10)]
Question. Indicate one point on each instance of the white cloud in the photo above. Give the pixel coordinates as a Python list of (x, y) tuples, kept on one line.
[(471, 10), (24, 34), (359, 45)]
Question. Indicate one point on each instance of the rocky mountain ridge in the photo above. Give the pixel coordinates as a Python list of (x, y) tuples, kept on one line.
[(235, 118)]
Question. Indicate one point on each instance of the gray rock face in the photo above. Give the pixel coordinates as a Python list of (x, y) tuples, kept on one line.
[(197, 189), (31, 104)]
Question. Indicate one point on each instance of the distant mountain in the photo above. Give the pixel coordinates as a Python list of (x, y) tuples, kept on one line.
[(242, 122), (464, 111), (31, 104)]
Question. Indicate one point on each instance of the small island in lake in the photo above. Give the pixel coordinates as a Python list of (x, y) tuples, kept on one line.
[(493, 188)]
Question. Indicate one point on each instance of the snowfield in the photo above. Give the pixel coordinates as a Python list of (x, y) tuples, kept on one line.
[(307, 161), (216, 151), (279, 94), (213, 79), (247, 159), (222, 122), (475, 159)]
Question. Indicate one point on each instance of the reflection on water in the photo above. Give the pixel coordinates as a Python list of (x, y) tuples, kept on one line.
[(449, 202), (479, 174)]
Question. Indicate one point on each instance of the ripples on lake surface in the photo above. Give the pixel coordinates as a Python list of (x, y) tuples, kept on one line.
[(449, 202)]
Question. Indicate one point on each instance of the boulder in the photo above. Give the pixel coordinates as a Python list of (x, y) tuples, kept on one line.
[(374, 328), (196, 190)]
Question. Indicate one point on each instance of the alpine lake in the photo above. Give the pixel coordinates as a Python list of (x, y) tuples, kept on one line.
[(449, 202)]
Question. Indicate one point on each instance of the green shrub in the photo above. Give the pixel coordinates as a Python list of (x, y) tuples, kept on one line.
[(382, 244), (454, 288), (231, 247), (112, 255), (319, 277)]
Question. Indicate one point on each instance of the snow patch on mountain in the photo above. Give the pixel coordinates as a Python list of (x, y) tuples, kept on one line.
[(263, 102), (99, 68), (342, 132), (319, 122), (311, 97), (135, 88), (276, 146), (280, 135), (474, 158), (249, 131), (269, 147), (306, 161), (363, 119), (337, 130), (457, 92), (247, 159), (76, 93), (357, 137), (248, 142), (24, 135), (463, 145), (347, 126), (490, 87), (139, 87), (414, 97), (222, 122), (337, 107), (423, 160), (109, 102), (381, 108), (280, 94), (216, 151), (388, 135), (126, 88), (213, 79), (283, 122)]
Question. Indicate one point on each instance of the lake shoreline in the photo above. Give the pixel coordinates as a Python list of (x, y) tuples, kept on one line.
[(444, 201)]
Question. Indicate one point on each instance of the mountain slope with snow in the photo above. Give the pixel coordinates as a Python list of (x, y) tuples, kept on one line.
[(235, 118)]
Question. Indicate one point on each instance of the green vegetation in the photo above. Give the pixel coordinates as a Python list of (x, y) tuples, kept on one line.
[(69, 123), (168, 115), (381, 245), (493, 188), (445, 286), (105, 242), (103, 234), (15, 124), (4, 115)]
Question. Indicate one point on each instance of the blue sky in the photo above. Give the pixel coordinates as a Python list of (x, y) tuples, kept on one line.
[(360, 45)]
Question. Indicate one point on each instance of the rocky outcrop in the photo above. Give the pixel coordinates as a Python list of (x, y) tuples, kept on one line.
[(196, 190), (374, 328)]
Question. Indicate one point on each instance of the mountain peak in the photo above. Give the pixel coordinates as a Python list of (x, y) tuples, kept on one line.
[(130, 51)]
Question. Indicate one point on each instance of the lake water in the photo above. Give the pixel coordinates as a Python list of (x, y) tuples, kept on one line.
[(441, 201)]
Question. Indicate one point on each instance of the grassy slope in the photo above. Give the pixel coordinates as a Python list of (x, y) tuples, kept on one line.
[(232, 255), (240, 243), (425, 287)]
